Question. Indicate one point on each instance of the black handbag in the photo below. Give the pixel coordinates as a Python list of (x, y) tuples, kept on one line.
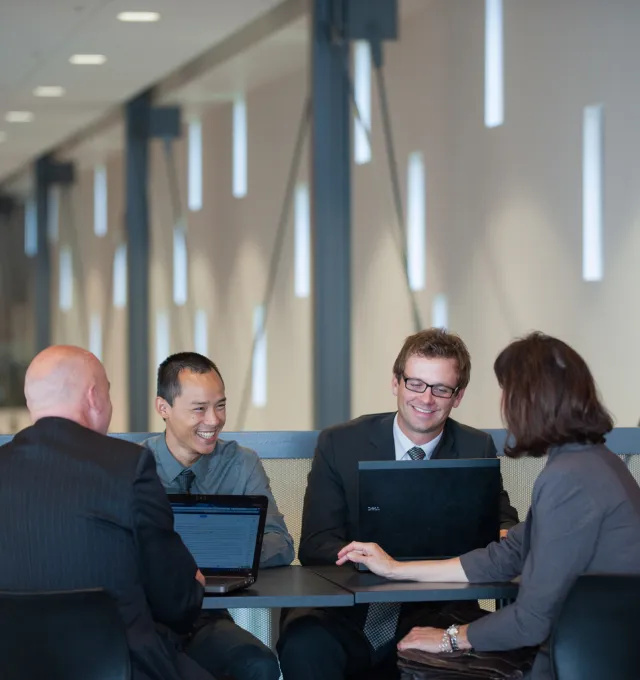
[(415, 664)]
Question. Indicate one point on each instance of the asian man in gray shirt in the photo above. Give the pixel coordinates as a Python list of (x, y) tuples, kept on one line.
[(191, 458)]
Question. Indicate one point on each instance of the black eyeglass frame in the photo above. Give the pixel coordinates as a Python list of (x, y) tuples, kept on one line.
[(454, 390)]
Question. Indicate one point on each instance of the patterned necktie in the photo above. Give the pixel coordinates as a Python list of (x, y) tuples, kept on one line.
[(185, 480), (381, 623), (416, 453)]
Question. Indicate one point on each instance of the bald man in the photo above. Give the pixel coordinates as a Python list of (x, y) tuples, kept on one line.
[(79, 509)]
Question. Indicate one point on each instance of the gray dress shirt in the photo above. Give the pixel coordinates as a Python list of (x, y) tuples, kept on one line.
[(234, 470), (584, 518)]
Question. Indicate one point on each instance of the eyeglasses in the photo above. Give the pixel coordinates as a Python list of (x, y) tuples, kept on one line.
[(443, 391)]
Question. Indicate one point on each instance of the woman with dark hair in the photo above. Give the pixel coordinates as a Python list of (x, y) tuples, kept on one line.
[(584, 515)]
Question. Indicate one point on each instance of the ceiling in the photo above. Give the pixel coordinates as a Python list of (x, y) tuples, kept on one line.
[(37, 37)]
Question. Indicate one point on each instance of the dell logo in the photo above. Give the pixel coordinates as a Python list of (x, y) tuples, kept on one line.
[(373, 508)]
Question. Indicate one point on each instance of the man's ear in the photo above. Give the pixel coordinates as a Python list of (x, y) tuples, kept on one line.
[(394, 385), (458, 398), (92, 398), (163, 408)]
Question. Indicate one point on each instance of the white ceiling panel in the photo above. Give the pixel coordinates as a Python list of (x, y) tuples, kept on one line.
[(37, 37)]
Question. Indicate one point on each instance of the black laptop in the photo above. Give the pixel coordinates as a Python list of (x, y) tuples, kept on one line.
[(429, 509), (224, 535)]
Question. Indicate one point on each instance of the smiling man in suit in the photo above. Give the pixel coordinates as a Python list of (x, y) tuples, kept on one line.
[(429, 379)]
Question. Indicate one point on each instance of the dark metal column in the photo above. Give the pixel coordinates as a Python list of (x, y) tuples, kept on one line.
[(143, 122), (138, 123), (331, 213), (43, 258)]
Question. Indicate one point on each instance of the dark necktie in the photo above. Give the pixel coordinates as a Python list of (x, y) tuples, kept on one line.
[(381, 623), (416, 453), (185, 480)]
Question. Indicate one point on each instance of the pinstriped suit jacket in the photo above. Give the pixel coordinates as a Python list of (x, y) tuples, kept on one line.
[(81, 510)]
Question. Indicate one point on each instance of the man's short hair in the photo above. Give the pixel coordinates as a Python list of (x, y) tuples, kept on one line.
[(168, 386), (435, 343)]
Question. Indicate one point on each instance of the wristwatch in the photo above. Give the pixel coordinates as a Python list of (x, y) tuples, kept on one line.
[(452, 632)]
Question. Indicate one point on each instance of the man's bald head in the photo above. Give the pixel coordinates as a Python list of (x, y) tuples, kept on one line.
[(68, 382)]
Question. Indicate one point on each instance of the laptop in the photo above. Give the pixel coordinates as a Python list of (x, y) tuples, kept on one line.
[(224, 535), (429, 509)]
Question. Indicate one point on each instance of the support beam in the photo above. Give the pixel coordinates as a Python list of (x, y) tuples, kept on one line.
[(334, 24), (331, 212), (138, 124), (47, 174), (143, 122)]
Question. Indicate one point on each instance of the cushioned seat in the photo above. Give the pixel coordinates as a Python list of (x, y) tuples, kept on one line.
[(596, 635), (71, 635)]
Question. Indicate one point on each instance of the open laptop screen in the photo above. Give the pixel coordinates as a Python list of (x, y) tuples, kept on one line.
[(224, 534), (429, 509)]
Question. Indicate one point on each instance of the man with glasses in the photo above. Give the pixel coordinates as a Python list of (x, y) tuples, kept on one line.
[(430, 376)]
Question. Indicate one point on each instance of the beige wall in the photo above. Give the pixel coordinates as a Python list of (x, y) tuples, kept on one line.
[(503, 205)]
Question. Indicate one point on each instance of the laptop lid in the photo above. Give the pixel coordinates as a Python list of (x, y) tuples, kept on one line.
[(429, 509), (223, 533)]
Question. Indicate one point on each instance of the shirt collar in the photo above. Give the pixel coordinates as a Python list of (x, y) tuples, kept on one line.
[(172, 466), (404, 444)]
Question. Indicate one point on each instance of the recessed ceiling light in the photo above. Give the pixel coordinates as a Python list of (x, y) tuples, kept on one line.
[(88, 59), (139, 16), (49, 91), (19, 117)]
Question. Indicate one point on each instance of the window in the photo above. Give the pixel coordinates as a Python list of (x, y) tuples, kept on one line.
[(302, 245), (440, 312), (416, 222), (30, 229), (120, 277), (163, 338), (195, 166), (493, 64), (592, 193), (180, 266), (95, 335), (201, 332), (362, 96), (239, 148), (100, 215), (66, 279), (259, 365)]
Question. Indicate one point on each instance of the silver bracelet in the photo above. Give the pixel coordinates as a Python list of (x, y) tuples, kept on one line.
[(452, 633), (445, 644)]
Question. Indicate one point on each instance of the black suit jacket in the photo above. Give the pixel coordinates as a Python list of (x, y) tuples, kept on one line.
[(330, 514), (82, 510)]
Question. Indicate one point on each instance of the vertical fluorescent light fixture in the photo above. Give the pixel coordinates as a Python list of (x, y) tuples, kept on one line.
[(493, 64), (259, 364), (53, 225), (201, 332), (180, 265), (120, 277), (592, 192), (195, 165), (239, 147), (95, 335), (416, 222), (100, 221), (302, 245), (66, 279), (362, 95), (440, 312), (163, 339), (30, 229)]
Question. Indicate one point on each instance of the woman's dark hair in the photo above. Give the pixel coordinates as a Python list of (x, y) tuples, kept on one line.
[(549, 396)]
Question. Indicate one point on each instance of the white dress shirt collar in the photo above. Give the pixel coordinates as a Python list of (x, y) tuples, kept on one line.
[(403, 443)]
